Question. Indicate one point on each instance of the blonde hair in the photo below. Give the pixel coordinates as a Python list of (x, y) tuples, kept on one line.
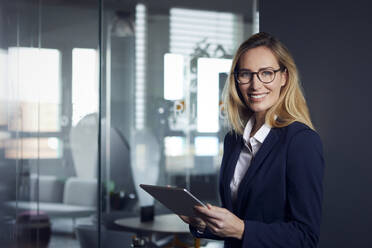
[(291, 105)]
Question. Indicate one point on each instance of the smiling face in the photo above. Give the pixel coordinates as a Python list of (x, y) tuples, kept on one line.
[(261, 96)]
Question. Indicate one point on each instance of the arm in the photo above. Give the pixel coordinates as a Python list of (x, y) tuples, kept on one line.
[(227, 149), (305, 167)]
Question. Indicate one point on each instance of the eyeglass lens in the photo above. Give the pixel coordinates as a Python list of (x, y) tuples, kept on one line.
[(265, 76)]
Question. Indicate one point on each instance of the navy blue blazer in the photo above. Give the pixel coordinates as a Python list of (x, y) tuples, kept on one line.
[(280, 196)]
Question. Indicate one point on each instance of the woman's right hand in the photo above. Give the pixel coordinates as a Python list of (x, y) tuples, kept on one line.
[(198, 223)]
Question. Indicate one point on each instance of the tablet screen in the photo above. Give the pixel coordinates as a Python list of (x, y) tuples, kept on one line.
[(178, 200)]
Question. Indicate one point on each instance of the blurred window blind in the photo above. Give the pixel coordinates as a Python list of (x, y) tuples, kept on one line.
[(188, 27), (141, 44)]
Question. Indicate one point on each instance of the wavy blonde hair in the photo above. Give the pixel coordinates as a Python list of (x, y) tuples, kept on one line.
[(291, 105)]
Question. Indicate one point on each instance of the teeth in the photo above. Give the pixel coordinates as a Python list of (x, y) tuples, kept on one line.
[(258, 96)]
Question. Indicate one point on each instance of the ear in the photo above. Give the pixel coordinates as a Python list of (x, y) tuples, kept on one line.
[(284, 77)]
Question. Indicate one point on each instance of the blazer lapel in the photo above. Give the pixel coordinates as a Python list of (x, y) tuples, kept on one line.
[(257, 161), (229, 171)]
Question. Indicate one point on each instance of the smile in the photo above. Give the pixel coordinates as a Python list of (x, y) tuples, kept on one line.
[(258, 96)]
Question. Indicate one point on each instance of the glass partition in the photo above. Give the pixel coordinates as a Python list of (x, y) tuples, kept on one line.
[(99, 96), (165, 66), (49, 121)]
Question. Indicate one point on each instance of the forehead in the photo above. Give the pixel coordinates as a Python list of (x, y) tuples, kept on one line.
[(257, 58)]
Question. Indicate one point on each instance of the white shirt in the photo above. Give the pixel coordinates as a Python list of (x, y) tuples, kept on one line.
[(249, 150)]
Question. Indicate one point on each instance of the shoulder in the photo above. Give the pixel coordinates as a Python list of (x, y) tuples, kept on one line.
[(297, 129), (298, 132), (232, 136), (304, 150), (231, 139), (301, 137)]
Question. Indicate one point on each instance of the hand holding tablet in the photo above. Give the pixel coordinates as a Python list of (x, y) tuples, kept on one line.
[(178, 200)]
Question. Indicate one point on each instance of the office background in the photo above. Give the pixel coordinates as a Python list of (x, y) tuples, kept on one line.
[(102, 95)]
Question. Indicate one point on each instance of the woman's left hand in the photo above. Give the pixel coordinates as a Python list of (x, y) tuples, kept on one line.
[(221, 221)]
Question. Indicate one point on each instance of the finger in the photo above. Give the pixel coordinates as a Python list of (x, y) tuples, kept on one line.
[(215, 208), (205, 212), (213, 226), (201, 211), (185, 218), (211, 207), (215, 223)]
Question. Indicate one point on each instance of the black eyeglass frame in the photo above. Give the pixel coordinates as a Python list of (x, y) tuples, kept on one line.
[(236, 72)]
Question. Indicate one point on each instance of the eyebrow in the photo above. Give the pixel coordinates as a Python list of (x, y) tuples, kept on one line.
[(263, 68)]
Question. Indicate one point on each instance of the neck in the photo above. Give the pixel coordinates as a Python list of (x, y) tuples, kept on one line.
[(259, 121)]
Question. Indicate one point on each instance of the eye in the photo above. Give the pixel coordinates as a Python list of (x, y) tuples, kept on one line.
[(244, 74), (267, 73)]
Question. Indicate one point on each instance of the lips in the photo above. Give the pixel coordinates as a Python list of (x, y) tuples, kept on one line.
[(258, 96)]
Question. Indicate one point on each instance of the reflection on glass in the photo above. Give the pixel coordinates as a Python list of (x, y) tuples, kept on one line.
[(141, 70), (34, 82), (145, 163), (84, 83), (175, 146), (33, 148), (161, 106), (206, 146), (3, 87), (173, 76), (84, 146), (189, 27), (45, 197), (178, 155), (208, 92)]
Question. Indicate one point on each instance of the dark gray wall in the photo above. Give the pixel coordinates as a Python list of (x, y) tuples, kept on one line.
[(331, 43)]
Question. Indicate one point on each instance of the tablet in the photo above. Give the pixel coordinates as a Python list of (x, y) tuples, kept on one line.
[(178, 200)]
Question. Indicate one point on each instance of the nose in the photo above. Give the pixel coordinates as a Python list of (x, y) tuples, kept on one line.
[(256, 83)]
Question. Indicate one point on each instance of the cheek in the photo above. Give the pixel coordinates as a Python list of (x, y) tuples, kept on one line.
[(275, 88), (275, 93), (242, 88)]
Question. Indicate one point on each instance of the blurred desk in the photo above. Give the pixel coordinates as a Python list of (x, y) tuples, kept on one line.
[(169, 224)]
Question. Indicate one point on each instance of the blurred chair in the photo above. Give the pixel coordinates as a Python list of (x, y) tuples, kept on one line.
[(78, 198), (84, 146), (46, 188), (83, 140), (80, 192), (119, 167)]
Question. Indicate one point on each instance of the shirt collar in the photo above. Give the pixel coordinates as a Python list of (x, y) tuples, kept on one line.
[(260, 135)]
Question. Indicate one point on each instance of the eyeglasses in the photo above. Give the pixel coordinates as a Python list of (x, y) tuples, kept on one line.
[(264, 75)]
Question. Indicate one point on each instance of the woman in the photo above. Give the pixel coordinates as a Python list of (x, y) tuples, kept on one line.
[(272, 168)]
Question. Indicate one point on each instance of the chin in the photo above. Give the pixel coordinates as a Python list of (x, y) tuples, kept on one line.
[(258, 109)]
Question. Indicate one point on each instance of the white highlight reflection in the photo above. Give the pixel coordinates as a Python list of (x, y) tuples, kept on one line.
[(206, 146), (208, 92), (173, 76)]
